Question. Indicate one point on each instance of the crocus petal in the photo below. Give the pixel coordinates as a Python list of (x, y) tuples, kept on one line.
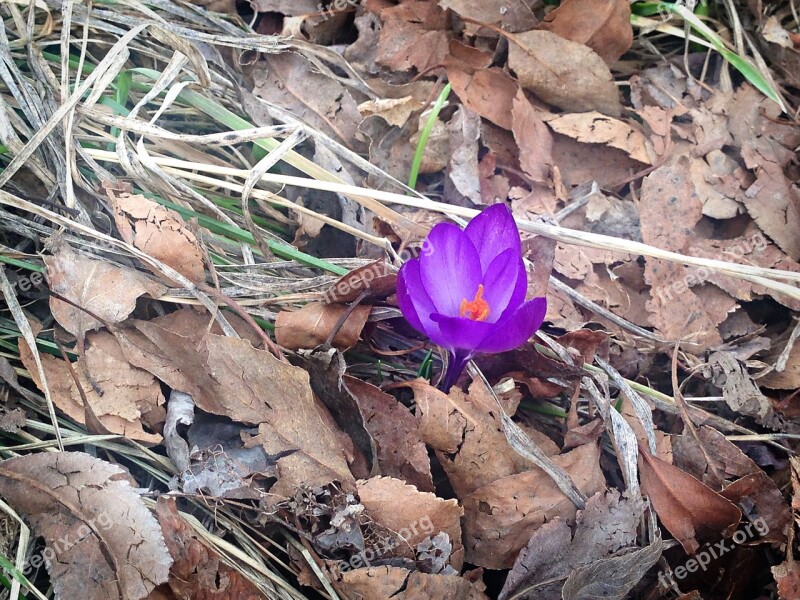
[(505, 284), (516, 328), (414, 302), (512, 329), (451, 271), (493, 232), (462, 333)]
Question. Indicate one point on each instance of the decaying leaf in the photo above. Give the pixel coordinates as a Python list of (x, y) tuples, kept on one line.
[(393, 583), (607, 525), (198, 572), (313, 324), (289, 81), (395, 111), (761, 502), (104, 289), (511, 15), (326, 371), (686, 507), (499, 518), (102, 542), (533, 138), (401, 452), (603, 25), (740, 391), (464, 131), (119, 394), (680, 306), (220, 465), (710, 457), (160, 232), (413, 515), (228, 377), (563, 73), (611, 578), (409, 40), (467, 434), (596, 128), (487, 92)]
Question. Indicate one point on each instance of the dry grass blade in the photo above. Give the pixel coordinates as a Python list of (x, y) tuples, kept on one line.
[(769, 278)]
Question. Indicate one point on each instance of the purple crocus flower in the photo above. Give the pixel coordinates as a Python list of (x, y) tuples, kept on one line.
[(467, 292)]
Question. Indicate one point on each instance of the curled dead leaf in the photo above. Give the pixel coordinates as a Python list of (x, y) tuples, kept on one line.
[(414, 515), (105, 289), (313, 324), (375, 280), (118, 393), (603, 25), (160, 232), (563, 73), (687, 508), (499, 518), (596, 128)]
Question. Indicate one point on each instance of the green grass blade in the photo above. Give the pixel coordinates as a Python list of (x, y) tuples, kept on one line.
[(426, 132)]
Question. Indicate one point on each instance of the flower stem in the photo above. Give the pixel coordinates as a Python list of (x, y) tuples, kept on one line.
[(457, 361)]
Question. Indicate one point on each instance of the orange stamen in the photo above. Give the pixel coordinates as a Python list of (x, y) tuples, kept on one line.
[(476, 309)]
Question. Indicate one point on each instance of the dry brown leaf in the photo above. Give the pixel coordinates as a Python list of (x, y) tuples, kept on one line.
[(760, 500), (750, 248), (772, 200), (228, 377), (686, 507), (395, 111), (400, 507), (787, 576), (401, 452), (290, 421), (198, 572), (488, 92), (102, 542), (393, 583), (565, 74), (311, 326), (603, 25), (596, 128), (500, 517), (509, 15), (105, 289), (533, 138), (406, 45), (463, 177), (607, 525), (710, 457), (289, 81), (118, 393), (581, 163), (669, 210), (467, 434), (160, 232), (768, 147)]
